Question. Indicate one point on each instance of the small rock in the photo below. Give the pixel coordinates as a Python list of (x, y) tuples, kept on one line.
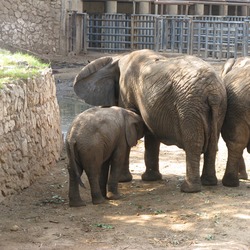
[(14, 228)]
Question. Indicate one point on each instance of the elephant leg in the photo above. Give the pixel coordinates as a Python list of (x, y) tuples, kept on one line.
[(208, 177), (192, 181), (151, 158), (242, 169), (115, 171), (231, 175), (93, 172), (125, 175), (74, 194), (104, 177)]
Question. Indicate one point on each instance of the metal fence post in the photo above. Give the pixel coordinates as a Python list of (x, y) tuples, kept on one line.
[(245, 37), (157, 34), (85, 33), (79, 33), (132, 32), (191, 36)]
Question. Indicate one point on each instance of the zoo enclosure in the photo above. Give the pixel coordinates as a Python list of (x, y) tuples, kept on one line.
[(213, 37)]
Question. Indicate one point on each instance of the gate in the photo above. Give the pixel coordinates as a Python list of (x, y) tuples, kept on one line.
[(220, 39), (204, 36), (108, 32)]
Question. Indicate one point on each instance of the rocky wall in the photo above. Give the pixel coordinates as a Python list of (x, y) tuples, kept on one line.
[(31, 25), (30, 133)]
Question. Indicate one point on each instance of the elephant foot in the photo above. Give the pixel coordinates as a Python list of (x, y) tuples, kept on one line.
[(243, 175), (188, 187), (230, 180), (97, 199), (126, 177), (151, 175), (209, 180), (113, 196), (77, 203)]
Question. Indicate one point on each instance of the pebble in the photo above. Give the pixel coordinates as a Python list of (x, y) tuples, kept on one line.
[(14, 228)]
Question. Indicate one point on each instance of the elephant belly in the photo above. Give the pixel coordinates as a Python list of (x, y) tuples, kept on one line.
[(168, 134)]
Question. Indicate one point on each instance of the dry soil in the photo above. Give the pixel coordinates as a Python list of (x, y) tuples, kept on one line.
[(150, 215)]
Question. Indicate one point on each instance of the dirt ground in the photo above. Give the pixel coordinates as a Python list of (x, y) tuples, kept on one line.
[(150, 215)]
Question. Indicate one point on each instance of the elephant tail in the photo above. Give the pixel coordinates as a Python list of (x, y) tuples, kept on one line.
[(214, 106), (73, 163)]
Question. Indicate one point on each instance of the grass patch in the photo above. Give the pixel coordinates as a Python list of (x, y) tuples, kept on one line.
[(18, 66)]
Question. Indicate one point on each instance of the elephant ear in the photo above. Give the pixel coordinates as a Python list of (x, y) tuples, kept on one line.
[(134, 128), (97, 82), (227, 67), (232, 64)]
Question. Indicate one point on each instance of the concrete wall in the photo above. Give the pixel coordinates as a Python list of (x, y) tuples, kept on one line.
[(30, 133)]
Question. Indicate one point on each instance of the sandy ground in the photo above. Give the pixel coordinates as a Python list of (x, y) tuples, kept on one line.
[(150, 215)]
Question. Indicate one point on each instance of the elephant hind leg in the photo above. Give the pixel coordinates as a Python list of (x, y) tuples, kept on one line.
[(242, 169), (93, 172), (75, 199), (208, 177), (231, 175), (192, 181)]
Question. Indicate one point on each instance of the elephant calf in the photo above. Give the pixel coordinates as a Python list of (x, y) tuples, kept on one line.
[(236, 127), (99, 142)]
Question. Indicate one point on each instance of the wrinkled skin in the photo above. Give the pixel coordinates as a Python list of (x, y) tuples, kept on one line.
[(236, 127), (181, 100), (99, 140)]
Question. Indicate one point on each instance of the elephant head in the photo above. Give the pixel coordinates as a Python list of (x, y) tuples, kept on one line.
[(98, 82)]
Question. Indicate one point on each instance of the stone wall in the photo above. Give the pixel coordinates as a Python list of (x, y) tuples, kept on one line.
[(30, 133), (31, 25)]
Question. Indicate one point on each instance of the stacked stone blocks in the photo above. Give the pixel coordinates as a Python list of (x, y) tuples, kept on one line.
[(30, 133)]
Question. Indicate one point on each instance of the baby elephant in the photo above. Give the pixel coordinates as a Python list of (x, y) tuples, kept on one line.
[(99, 142)]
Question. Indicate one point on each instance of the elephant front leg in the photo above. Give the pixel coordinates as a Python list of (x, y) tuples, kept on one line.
[(125, 175), (74, 194), (115, 171), (151, 158), (104, 177), (192, 181)]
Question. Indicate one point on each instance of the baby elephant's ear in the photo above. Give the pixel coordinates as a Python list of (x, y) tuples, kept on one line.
[(133, 128)]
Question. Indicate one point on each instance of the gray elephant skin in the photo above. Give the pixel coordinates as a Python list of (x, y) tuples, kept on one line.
[(236, 128), (181, 100), (98, 142)]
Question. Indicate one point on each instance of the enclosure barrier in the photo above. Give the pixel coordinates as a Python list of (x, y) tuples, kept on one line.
[(216, 37)]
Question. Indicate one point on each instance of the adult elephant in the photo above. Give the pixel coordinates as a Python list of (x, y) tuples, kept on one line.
[(181, 100), (236, 128)]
